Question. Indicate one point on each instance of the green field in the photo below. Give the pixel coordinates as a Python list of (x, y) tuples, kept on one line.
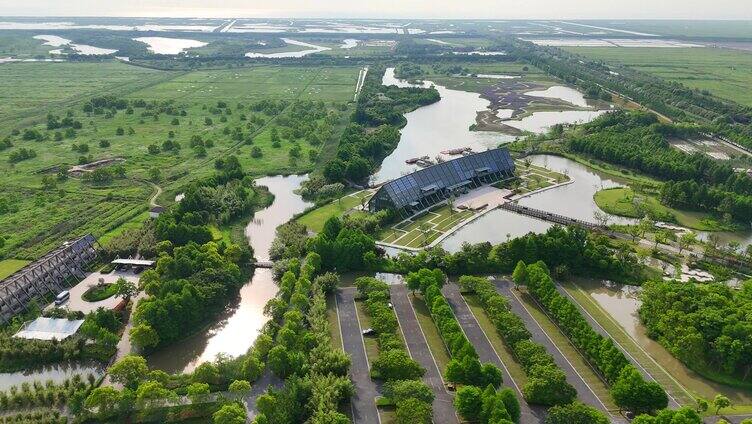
[(314, 220), (623, 201), (9, 266), (421, 231), (723, 72), (33, 89), (186, 104)]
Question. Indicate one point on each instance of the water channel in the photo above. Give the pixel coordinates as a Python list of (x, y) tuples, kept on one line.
[(621, 303), (236, 329)]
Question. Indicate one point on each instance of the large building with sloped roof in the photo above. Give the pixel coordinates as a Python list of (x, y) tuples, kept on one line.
[(429, 186)]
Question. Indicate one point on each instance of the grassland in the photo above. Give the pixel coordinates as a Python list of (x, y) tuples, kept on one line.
[(314, 220), (33, 89), (435, 342), (725, 73), (43, 215), (9, 266), (623, 201)]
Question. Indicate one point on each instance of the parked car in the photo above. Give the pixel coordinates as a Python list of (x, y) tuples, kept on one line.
[(368, 331), (62, 298)]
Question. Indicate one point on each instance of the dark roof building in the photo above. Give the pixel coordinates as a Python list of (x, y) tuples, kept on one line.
[(426, 187)]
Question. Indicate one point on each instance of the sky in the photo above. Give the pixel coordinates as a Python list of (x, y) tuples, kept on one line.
[(452, 9)]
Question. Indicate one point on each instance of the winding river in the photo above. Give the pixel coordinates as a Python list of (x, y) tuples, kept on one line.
[(237, 328)]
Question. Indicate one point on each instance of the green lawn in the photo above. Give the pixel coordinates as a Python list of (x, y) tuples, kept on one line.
[(504, 352), (331, 316), (435, 343), (423, 230), (623, 201), (42, 217), (724, 72), (9, 266), (570, 352), (314, 220), (371, 343), (97, 293), (33, 88)]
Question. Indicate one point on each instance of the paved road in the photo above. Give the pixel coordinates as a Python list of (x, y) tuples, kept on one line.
[(672, 403), (584, 393), (486, 351), (363, 402), (417, 346)]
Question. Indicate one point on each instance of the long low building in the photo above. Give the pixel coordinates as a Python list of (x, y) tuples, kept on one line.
[(429, 186)]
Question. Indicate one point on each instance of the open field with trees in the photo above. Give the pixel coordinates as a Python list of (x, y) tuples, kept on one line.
[(723, 72), (168, 135)]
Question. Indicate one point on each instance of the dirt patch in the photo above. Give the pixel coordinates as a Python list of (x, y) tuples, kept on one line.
[(79, 170)]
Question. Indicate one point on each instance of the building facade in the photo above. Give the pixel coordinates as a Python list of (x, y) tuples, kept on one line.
[(429, 186)]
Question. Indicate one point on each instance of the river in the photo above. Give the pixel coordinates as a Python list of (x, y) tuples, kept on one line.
[(237, 328)]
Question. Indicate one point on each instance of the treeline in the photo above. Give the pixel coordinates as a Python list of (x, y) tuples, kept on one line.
[(373, 132), (194, 276), (478, 398), (71, 393), (546, 382), (568, 251), (667, 97), (636, 140), (144, 395), (627, 386), (315, 373), (706, 326), (400, 373), (96, 339)]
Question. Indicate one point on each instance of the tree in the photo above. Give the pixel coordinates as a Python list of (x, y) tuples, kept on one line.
[(150, 391), (195, 390), (155, 174), (103, 399), (231, 413), (602, 218), (469, 402), (403, 389), (702, 405), (686, 240), (129, 371), (396, 364), (240, 386), (519, 276), (144, 336), (633, 393), (719, 402), (575, 413), (413, 411), (125, 289)]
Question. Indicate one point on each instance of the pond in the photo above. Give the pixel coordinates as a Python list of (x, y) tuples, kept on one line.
[(574, 200), (237, 328), (560, 92), (622, 303), (164, 45), (540, 122), (57, 373), (55, 41), (312, 48)]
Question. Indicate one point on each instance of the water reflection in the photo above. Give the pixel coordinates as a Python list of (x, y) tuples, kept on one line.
[(236, 329), (436, 127), (57, 373), (622, 303)]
